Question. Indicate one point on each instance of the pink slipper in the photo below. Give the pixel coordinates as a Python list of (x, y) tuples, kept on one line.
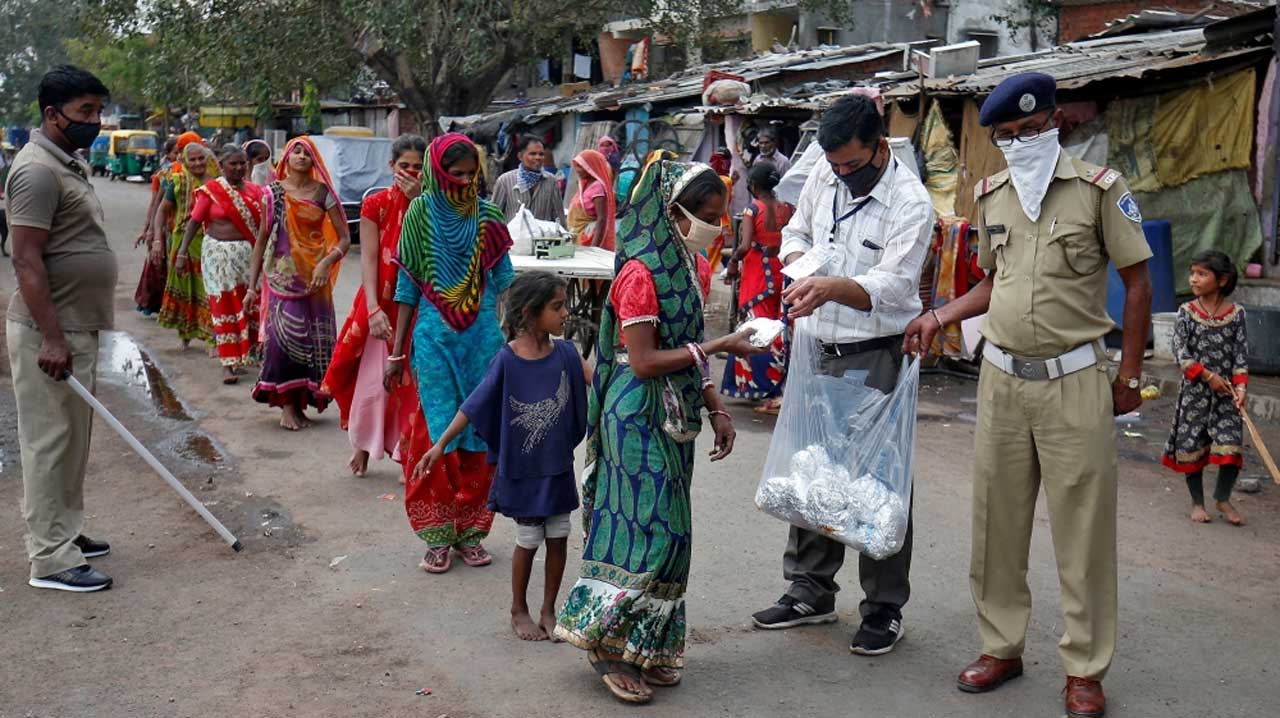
[(436, 560), (475, 556)]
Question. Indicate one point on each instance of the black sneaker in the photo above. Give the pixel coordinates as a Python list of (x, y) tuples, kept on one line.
[(81, 579), (877, 636), (788, 613), (91, 548)]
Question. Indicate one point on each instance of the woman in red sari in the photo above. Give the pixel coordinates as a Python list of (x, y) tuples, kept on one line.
[(373, 417), (760, 293), (230, 209)]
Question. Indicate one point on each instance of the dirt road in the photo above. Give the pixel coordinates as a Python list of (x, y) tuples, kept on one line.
[(286, 628)]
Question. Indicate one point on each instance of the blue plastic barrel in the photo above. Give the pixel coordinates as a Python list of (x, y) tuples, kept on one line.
[(1160, 238)]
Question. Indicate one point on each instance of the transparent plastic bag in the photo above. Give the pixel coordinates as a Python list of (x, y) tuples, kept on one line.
[(841, 455), (524, 228)]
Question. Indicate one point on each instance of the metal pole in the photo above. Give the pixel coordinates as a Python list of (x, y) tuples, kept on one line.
[(150, 458)]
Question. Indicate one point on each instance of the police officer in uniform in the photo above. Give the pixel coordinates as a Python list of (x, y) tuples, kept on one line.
[(1047, 227)]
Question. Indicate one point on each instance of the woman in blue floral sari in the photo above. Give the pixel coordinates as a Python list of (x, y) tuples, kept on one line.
[(645, 410)]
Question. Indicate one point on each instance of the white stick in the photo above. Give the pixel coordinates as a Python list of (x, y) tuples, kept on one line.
[(150, 458)]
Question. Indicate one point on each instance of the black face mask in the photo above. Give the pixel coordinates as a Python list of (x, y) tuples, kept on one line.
[(80, 134), (863, 179)]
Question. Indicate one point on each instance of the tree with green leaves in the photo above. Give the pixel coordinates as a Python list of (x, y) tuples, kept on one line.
[(440, 57)]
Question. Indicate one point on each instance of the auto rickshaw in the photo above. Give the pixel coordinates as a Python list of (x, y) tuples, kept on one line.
[(133, 153), (99, 152)]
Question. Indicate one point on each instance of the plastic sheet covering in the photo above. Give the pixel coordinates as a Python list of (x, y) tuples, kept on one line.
[(1130, 150), (978, 159), (355, 164), (1205, 129), (1089, 142), (841, 455), (941, 162), (1211, 212)]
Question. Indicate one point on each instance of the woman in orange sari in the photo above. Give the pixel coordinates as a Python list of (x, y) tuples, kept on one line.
[(372, 416), (593, 211), (301, 244)]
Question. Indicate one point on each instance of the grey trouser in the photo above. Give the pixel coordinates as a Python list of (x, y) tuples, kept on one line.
[(812, 560), (54, 426)]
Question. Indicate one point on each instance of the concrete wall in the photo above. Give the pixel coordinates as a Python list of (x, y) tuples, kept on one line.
[(976, 15), (769, 28), (878, 21)]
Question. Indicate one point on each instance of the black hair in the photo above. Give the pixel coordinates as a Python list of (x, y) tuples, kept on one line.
[(65, 83), (771, 133), (170, 145), (527, 140), (408, 143), (230, 150), (528, 295), (850, 118), (258, 149), (458, 152), (701, 188), (765, 175), (1220, 264)]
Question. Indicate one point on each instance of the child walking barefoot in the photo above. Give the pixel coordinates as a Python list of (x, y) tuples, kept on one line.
[(531, 409), (1210, 345)]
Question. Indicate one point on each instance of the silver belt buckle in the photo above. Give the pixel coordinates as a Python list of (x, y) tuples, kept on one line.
[(1029, 369)]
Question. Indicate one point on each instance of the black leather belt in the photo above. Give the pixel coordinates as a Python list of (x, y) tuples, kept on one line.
[(868, 345)]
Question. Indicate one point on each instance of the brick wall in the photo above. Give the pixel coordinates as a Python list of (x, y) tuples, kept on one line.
[(1077, 21)]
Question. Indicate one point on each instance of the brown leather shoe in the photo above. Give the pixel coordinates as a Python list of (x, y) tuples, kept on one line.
[(988, 673), (1084, 698)]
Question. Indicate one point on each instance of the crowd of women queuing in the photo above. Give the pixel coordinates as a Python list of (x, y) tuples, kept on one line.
[(484, 415)]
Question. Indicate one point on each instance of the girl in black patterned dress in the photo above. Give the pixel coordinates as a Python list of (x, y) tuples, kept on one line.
[(1209, 344)]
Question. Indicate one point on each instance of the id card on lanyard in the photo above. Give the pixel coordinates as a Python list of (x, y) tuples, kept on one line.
[(821, 255)]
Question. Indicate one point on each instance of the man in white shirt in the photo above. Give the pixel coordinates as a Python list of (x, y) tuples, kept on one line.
[(877, 218)]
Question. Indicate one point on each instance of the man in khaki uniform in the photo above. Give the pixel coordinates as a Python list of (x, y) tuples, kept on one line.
[(1047, 227), (66, 275)]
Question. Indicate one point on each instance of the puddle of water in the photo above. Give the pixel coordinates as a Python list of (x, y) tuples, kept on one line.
[(125, 362), (199, 447)]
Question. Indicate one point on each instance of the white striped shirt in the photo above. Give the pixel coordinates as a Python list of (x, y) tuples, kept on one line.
[(883, 248)]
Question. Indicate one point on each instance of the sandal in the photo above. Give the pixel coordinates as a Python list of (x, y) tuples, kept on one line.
[(771, 407), (654, 676), (607, 668), (436, 560), (474, 556)]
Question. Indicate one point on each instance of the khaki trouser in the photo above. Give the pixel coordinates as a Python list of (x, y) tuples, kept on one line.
[(54, 426), (1060, 433)]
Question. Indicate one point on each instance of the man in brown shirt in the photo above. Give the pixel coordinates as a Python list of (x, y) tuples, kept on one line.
[(1047, 228), (66, 275)]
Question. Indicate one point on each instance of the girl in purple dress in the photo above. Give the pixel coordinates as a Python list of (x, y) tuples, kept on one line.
[(531, 410)]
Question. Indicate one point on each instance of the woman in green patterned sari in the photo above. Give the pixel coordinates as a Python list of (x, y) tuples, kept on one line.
[(645, 409)]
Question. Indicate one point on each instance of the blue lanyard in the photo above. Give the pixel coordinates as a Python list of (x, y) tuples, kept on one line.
[(835, 221)]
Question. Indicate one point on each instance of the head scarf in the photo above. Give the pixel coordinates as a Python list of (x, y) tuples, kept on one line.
[(319, 172), (262, 173), (593, 167), (722, 163), (187, 138), (451, 238), (185, 183), (608, 147)]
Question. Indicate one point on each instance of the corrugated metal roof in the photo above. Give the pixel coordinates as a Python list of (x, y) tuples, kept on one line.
[(688, 84)]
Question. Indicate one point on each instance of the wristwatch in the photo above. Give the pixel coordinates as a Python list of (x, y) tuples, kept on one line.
[(1131, 382)]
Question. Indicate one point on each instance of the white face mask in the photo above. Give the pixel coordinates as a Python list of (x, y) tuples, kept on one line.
[(1031, 167), (701, 235)]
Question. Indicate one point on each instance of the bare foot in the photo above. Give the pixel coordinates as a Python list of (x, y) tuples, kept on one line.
[(548, 623), (229, 375), (290, 419), (522, 623), (1229, 513), (359, 462), (1200, 516)]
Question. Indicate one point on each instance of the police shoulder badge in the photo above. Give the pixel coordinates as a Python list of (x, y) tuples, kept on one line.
[(1129, 206)]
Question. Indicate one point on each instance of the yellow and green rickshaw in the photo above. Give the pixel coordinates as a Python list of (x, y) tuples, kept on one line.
[(133, 153)]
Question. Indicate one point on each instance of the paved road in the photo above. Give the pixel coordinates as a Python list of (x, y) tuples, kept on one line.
[(193, 630)]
